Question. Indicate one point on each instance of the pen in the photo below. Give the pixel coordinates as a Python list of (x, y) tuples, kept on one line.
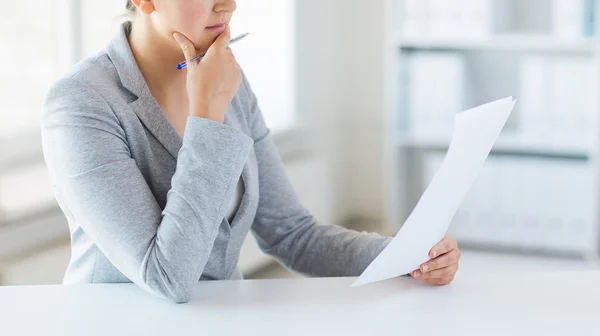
[(183, 64)]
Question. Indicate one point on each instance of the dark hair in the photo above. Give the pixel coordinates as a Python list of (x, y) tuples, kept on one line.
[(130, 7)]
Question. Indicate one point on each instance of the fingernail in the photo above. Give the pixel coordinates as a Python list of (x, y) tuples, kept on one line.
[(177, 37), (434, 253), (416, 274), (425, 268)]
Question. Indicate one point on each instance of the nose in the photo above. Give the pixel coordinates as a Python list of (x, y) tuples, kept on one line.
[(227, 6)]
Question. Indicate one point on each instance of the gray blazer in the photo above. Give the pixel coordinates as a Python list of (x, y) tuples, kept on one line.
[(145, 205)]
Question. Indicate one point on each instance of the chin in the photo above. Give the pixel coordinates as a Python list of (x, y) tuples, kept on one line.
[(203, 45)]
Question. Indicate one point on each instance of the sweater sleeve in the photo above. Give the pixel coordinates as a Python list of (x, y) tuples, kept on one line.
[(88, 156), (287, 231)]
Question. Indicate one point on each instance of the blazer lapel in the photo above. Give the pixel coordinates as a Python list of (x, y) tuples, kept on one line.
[(150, 113), (145, 107)]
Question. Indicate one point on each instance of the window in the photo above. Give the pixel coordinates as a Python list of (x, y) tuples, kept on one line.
[(100, 22), (55, 34), (36, 49), (29, 62)]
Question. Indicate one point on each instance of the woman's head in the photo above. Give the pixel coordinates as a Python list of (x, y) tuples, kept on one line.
[(201, 21)]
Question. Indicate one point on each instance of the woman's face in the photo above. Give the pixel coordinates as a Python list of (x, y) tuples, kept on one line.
[(201, 21)]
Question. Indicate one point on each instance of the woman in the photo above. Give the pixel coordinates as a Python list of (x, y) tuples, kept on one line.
[(162, 173)]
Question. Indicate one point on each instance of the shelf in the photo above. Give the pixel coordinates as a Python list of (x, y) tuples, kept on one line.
[(506, 144), (531, 43)]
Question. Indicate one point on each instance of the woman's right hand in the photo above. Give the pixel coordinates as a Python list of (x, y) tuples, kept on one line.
[(213, 82)]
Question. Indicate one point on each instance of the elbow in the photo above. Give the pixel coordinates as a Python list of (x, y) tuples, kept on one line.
[(179, 297), (173, 290), (173, 293), (174, 284)]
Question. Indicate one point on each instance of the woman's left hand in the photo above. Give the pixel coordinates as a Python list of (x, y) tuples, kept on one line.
[(442, 267)]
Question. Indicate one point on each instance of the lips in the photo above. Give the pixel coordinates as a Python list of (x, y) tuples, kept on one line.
[(217, 29), (218, 25)]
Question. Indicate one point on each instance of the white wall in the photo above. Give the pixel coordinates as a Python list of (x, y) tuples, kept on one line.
[(364, 138), (340, 99), (319, 102)]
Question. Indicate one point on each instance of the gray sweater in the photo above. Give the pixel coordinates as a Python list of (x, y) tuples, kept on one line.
[(147, 206)]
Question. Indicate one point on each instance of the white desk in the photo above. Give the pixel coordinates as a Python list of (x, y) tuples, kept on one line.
[(563, 303)]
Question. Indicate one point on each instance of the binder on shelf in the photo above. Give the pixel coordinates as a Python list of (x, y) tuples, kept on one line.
[(558, 101), (479, 18), (416, 22), (435, 93), (534, 120), (526, 204), (574, 18), (448, 18), (589, 18), (523, 200)]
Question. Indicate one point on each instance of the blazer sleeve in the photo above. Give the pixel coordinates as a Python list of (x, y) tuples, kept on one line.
[(287, 231), (88, 156)]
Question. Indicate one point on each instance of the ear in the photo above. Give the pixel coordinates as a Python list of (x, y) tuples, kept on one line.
[(145, 6)]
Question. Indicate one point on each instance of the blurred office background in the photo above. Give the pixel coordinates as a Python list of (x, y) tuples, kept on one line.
[(360, 97)]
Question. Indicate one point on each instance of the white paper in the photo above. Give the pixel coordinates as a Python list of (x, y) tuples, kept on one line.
[(475, 132)]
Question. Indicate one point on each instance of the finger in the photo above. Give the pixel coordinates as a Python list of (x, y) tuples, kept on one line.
[(442, 261), (446, 245), (442, 273), (417, 275), (222, 42), (187, 47), (440, 282)]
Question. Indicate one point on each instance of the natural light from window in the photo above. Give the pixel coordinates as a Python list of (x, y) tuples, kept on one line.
[(54, 34)]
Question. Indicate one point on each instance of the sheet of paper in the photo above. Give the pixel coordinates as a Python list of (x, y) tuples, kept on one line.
[(475, 132)]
